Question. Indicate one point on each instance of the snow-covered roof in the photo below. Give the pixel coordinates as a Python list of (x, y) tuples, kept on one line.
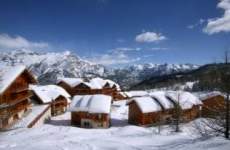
[(136, 93), (91, 103), (186, 100), (95, 83), (205, 96), (8, 75), (99, 83), (162, 99), (112, 84), (49, 93), (146, 104), (71, 81)]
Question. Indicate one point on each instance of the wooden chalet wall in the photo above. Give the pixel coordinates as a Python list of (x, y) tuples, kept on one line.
[(138, 118), (14, 100), (96, 120), (191, 114), (59, 106), (165, 116), (213, 106), (66, 87)]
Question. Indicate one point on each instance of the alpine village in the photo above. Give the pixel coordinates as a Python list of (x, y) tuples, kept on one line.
[(114, 74), (25, 103)]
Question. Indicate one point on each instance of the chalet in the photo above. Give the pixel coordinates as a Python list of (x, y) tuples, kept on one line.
[(213, 104), (190, 104), (69, 84), (14, 94), (160, 107), (77, 86), (91, 111), (143, 111), (166, 105), (54, 95)]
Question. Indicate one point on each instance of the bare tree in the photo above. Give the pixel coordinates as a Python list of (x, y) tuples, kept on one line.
[(177, 115), (225, 87), (217, 120)]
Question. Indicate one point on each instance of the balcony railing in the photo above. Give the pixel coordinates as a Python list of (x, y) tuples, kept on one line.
[(15, 98)]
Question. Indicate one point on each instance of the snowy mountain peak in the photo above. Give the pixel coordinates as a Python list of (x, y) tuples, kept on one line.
[(48, 66)]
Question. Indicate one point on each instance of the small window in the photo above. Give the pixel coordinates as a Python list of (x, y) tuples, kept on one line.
[(99, 116), (86, 124)]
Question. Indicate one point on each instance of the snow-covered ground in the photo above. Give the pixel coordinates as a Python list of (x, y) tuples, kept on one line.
[(59, 135)]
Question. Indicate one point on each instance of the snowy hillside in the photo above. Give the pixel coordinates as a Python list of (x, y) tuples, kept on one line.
[(59, 135), (134, 74)]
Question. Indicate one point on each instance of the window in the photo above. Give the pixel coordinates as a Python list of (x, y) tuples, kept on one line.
[(99, 116), (86, 124)]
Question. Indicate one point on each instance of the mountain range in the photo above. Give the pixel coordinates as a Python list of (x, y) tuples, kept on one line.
[(49, 66)]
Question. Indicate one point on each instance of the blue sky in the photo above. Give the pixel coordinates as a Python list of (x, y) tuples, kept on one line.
[(119, 32)]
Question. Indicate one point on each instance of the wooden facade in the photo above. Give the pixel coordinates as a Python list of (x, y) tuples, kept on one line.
[(136, 117), (68, 88), (190, 114), (83, 89), (164, 116), (14, 101), (213, 105), (58, 106), (88, 120)]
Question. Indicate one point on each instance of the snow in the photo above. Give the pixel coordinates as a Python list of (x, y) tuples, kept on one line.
[(100, 104), (162, 99), (8, 75), (99, 83), (59, 135), (48, 93), (95, 83), (71, 81), (136, 93), (204, 96), (80, 103), (186, 100), (91, 103), (147, 104), (30, 116)]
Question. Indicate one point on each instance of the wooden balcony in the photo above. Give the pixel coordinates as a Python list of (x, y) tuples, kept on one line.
[(15, 98), (9, 111)]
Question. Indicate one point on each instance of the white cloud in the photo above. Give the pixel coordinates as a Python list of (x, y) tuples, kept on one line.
[(221, 24), (113, 58), (200, 22), (8, 42), (149, 37), (159, 48), (125, 49)]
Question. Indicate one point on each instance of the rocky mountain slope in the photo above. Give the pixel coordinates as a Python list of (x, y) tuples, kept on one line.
[(136, 73), (48, 66), (205, 78)]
